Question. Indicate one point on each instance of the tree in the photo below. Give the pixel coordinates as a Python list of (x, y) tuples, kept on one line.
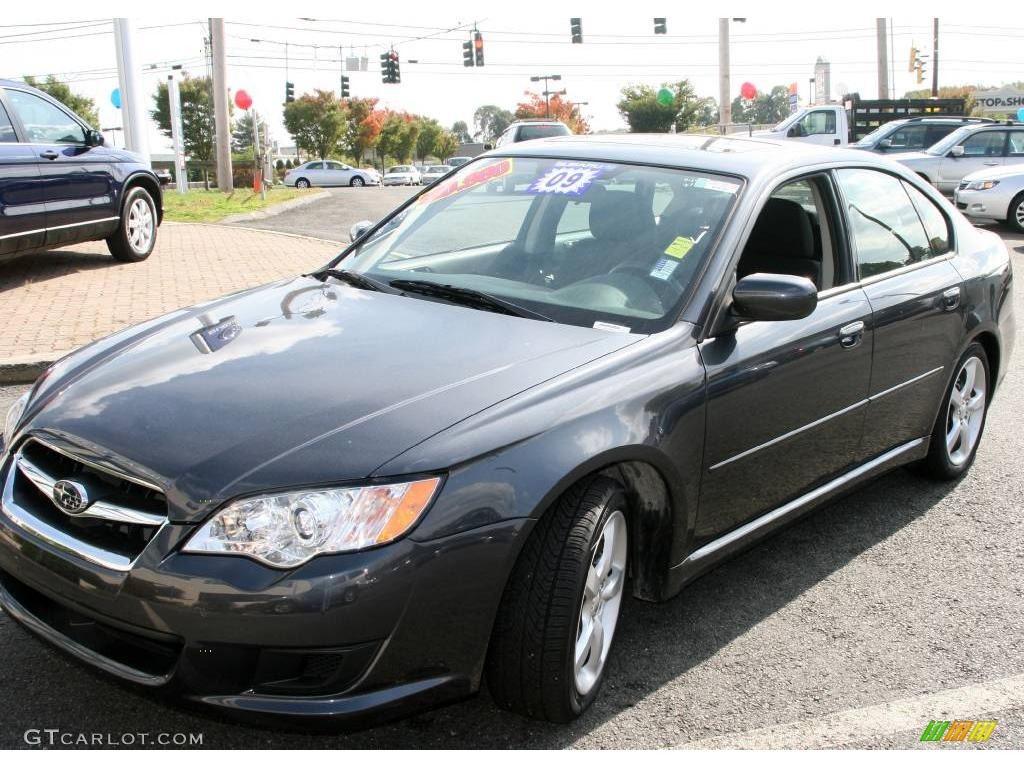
[(82, 106), (643, 112), (445, 145), (491, 121), (558, 109), (965, 92), (241, 136), (362, 127), (393, 140), (197, 125), (430, 132), (317, 121), (707, 112), (767, 108), (461, 131)]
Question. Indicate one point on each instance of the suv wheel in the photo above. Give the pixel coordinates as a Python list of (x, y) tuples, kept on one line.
[(136, 234), (357, 181), (302, 183), (1015, 217), (557, 617)]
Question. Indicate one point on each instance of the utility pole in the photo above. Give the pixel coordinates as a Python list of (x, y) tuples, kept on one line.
[(883, 60), (724, 102), (225, 182), (935, 58), (174, 100), (136, 137)]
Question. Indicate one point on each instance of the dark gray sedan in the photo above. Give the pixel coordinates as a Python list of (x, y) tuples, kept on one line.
[(574, 370)]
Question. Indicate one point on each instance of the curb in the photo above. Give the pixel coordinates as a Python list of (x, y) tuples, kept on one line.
[(25, 370), (273, 210)]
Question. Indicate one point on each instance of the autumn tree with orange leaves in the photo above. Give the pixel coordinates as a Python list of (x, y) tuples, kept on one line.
[(563, 110)]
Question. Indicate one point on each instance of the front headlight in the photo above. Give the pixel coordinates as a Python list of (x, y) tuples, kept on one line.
[(286, 530), (14, 414), (981, 185)]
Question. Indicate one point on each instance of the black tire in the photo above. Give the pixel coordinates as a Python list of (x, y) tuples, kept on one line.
[(302, 184), (357, 181), (126, 245), (1015, 216), (937, 464), (530, 663)]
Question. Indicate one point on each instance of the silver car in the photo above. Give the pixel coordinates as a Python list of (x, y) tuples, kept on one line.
[(434, 172), (994, 194), (966, 150), (400, 175), (330, 173)]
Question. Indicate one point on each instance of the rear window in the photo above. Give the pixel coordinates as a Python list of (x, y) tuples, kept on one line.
[(528, 132)]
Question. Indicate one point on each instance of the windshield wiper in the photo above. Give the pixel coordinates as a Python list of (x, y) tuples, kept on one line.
[(467, 297), (354, 279)]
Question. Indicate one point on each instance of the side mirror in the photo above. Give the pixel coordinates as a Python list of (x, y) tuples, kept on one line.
[(94, 138), (488, 147), (885, 144), (764, 296), (358, 230), (957, 151)]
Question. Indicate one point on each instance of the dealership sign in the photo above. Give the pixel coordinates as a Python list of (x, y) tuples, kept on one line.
[(1000, 100)]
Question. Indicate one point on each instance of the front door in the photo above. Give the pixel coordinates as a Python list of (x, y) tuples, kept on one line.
[(22, 213), (984, 149), (786, 399)]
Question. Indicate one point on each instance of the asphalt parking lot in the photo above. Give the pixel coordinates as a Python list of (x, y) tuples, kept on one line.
[(904, 593)]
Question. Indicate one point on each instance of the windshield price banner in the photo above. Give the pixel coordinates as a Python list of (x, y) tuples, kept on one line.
[(488, 172), (567, 178)]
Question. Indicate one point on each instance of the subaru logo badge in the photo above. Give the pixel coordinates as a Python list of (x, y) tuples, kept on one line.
[(70, 496)]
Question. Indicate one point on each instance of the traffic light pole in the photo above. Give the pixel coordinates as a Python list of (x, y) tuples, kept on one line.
[(935, 58)]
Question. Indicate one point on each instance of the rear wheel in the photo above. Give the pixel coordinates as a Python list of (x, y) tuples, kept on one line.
[(558, 615), (961, 419), (136, 234), (1015, 217), (302, 183), (357, 181)]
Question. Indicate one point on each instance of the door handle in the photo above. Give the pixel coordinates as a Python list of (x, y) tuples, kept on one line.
[(992, 163), (851, 334), (951, 298), (49, 154)]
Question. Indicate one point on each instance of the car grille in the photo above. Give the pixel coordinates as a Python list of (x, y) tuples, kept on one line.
[(118, 518)]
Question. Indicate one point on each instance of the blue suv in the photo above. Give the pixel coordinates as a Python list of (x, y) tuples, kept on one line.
[(60, 185)]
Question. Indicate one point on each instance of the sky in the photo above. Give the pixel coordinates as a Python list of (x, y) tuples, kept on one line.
[(776, 45)]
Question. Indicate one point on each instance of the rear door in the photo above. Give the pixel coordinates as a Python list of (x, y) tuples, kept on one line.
[(984, 149), (314, 172), (78, 181), (22, 213), (902, 245)]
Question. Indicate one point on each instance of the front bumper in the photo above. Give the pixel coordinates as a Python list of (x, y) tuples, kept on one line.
[(357, 638), (987, 204)]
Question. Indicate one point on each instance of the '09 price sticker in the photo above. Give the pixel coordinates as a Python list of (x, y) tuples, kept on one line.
[(567, 178)]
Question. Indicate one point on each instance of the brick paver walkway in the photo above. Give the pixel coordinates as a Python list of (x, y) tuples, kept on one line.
[(55, 302)]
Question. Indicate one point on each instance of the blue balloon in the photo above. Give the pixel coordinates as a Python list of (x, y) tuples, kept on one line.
[(115, 97), (1020, 114)]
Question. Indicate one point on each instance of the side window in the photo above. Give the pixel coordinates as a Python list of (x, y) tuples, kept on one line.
[(936, 226), (6, 129), (912, 137), (886, 231), (44, 123), (1016, 143), (985, 144), (335, 166), (818, 122), (315, 167), (575, 220)]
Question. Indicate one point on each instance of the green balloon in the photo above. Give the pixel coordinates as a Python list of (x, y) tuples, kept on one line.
[(665, 97)]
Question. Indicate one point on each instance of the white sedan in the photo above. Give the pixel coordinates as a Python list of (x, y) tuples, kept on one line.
[(399, 175), (996, 193), (434, 172), (330, 173)]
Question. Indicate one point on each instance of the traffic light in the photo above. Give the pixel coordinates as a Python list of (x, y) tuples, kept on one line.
[(478, 48), (396, 73), (289, 93), (576, 27), (467, 53), (344, 87), (920, 71), (385, 67), (660, 28), (913, 59)]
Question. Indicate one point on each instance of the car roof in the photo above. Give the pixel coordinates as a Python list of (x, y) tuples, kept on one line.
[(741, 156)]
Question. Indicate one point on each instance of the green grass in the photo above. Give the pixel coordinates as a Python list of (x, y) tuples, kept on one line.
[(199, 205)]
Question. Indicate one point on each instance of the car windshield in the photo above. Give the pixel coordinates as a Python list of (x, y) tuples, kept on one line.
[(399, 169), (875, 135), (528, 132), (943, 146), (437, 169), (584, 243)]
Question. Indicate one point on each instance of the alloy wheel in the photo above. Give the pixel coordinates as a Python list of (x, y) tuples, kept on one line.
[(357, 181), (602, 598), (966, 411), (1019, 215), (140, 225)]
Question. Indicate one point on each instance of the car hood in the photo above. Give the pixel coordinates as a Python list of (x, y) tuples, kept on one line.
[(918, 158), (1002, 173), (291, 384)]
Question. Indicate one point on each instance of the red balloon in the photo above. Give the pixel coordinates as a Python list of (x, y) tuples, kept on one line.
[(242, 99), (748, 91)]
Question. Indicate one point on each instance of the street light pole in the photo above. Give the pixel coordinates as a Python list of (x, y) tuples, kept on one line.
[(547, 93)]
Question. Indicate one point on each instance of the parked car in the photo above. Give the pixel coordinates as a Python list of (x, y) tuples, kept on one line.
[(646, 354), (914, 134), (966, 150), (527, 130), (996, 193), (330, 173), (434, 172), (60, 184), (455, 162), (399, 175)]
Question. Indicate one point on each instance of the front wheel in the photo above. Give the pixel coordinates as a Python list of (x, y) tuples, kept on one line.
[(961, 419), (136, 234), (302, 184), (357, 181), (558, 615), (1015, 217)]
